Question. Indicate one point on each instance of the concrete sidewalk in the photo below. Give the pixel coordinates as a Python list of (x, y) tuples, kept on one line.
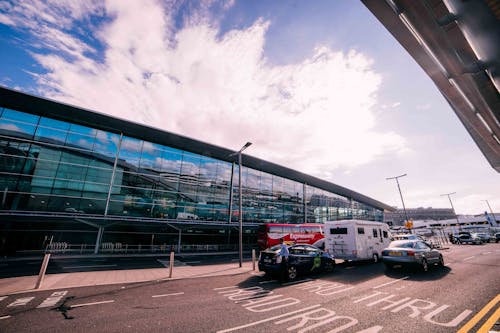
[(81, 279)]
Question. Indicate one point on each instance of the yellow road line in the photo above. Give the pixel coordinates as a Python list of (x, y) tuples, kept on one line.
[(490, 322), (479, 315)]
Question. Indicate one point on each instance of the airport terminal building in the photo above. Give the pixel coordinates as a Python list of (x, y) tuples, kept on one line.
[(86, 181)]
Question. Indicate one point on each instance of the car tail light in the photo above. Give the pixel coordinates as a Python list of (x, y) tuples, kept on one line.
[(410, 253)]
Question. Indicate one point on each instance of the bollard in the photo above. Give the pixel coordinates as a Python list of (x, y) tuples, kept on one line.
[(171, 266), (41, 275), (253, 259)]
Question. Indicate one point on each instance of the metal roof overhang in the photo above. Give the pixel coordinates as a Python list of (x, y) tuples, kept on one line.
[(440, 42), (43, 107)]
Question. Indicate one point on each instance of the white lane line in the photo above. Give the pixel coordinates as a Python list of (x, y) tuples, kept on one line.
[(295, 282), (53, 299), (469, 258), (270, 281), (489, 252), (164, 295), (20, 301), (268, 319), (90, 266), (391, 282), (94, 303), (4, 317), (222, 288), (2, 298)]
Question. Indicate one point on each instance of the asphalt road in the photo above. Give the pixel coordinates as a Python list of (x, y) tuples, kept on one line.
[(362, 298)]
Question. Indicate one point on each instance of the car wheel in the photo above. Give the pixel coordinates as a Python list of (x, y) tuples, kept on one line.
[(291, 273), (441, 261), (375, 258), (425, 266), (329, 266)]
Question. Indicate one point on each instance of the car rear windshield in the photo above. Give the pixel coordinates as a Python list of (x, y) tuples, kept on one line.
[(402, 244)]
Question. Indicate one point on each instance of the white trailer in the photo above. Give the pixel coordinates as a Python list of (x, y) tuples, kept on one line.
[(356, 239)]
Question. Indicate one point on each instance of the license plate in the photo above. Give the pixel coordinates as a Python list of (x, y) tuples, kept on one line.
[(397, 254), (267, 261)]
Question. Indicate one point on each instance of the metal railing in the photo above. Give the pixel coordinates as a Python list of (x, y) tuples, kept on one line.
[(120, 248)]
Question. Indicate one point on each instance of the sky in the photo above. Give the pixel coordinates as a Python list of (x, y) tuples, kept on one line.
[(317, 86)]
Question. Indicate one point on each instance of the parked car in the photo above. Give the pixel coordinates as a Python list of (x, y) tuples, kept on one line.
[(485, 238), (467, 238), (411, 253), (303, 259), (497, 237)]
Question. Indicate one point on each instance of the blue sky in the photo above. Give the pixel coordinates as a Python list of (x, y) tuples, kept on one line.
[(318, 86)]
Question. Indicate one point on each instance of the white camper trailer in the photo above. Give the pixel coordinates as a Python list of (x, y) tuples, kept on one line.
[(356, 239)]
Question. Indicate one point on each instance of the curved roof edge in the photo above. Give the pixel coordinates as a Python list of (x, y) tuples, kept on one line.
[(44, 107)]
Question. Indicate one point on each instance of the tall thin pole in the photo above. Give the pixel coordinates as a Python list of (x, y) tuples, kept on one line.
[(453, 208), (400, 194), (240, 215), (491, 210), (240, 232)]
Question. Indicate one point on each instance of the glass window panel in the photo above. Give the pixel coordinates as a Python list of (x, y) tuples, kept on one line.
[(54, 124), (79, 139), (19, 116), (130, 150), (10, 127), (48, 134), (106, 143), (151, 156)]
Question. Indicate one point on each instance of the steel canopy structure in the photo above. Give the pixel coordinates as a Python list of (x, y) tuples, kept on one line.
[(457, 43)]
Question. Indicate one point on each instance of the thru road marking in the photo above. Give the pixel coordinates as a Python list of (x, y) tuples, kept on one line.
[(391, 282)]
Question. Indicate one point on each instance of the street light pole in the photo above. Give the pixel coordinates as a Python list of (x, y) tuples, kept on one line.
[(400, 194), (453, 208), (491, 210), (240, 213)]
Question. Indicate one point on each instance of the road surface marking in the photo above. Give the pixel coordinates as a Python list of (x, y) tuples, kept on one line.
[(295, 282), (172, 294), (471, 323), (4, 317), (469, 258), (2, 298), (20, 301), (268, 319), (487, 252), (222, 288), (53, 299), (490, 322), (269, 281), (90, 266), (94, 303), (391, 282)]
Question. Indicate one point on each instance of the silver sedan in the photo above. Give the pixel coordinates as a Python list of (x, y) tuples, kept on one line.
[(411, 253)]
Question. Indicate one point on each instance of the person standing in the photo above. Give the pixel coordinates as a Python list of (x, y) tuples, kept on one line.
[(283, 254)]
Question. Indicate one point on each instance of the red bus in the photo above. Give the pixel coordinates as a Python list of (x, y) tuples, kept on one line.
[(269, 234)]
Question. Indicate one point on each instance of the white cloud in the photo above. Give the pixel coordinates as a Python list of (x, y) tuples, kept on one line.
[(314, 116)]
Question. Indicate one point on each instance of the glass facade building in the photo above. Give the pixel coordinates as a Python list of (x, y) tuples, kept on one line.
[(69, 172)]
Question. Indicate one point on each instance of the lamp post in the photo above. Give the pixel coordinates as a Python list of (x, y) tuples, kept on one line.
[(401, 194), (240, 213), (491, 210), (453, 208)]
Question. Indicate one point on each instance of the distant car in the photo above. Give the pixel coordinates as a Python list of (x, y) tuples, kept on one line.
[(303, 259), (483, 236), (467, 238), (411, 253)]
